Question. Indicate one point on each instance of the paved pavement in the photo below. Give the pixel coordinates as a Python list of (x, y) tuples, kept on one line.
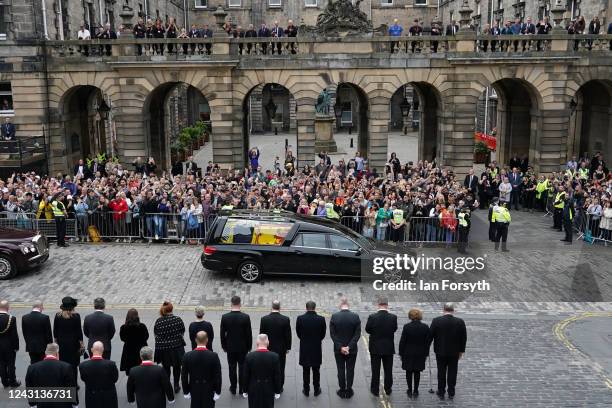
[(510, 361), (271, 145), (526, 346)]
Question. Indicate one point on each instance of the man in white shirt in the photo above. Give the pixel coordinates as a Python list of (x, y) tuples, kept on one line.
[(83, 34)]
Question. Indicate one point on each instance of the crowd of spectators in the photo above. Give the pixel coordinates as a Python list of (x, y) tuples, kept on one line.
[(378, 204), (152, 29)]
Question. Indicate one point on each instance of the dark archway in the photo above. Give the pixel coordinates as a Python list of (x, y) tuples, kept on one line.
[(421, 102), (269, 123), (85, 123), (168, 109), (591, 120), (517, 120)]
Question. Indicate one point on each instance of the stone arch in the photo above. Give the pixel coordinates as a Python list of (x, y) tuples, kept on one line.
[(424, 110), (518, 120), (269, 121), (83, 116), (168, 108), (591, 119)]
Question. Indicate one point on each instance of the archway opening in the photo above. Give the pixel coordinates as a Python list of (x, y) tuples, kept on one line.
[(591, 120), (516, 122), (414, 133), (170, 109), (269, 124), (86, 125)]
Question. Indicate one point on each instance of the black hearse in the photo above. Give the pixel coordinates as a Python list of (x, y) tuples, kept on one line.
[(280, 243)]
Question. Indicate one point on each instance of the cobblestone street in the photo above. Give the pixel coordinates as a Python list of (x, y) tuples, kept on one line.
[(530, 342)]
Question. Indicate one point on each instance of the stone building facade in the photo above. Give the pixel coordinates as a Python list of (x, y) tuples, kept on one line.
[(60, 19), (486, 11), (256, 12)]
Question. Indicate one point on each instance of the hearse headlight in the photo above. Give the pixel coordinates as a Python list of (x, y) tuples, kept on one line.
[(27, 247)]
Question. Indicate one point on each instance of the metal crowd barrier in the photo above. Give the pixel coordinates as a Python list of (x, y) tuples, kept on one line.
[(593, 229), (176, 227), (28, 221), (416, 229)]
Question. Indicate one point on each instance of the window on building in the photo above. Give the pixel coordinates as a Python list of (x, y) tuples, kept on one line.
[(420, 2), (386, 2), (275, 3), (310, 3), (6, 98), (3, 25), (234, 3), (201, 3)]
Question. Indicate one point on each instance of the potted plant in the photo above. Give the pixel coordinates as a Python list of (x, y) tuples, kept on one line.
[(481, 152)]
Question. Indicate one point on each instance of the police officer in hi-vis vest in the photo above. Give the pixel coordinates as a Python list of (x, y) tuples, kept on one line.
[(60, 214)]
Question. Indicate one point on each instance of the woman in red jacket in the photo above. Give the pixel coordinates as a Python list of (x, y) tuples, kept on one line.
[(119, 208)]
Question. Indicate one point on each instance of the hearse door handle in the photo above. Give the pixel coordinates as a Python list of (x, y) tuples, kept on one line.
[(336, 254), (298, 252)]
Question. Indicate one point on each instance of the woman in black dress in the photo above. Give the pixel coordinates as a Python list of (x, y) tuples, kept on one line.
[(169, 343), (135, 335), (68, 334), (414, 349)]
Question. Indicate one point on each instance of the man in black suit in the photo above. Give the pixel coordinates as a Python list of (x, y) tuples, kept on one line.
[(148, 384), (8, 130), (9, 344), (310, 329), (100, 377), (80, 169), (452, 28), (262, 375), (471, 182), (236, 341), (449, 336), (201, 374), (36, 328), (53, 373), (264, 32), (99, 326), (191, 167), (278, 329), (345, 331), (381, 326)]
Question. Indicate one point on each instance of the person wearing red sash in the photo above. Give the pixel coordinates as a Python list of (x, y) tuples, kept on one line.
[(100, 376), (201, 374), (148, 384), (262, 376), (51, 372)]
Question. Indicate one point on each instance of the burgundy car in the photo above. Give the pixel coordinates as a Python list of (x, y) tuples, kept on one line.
[(21, 250)]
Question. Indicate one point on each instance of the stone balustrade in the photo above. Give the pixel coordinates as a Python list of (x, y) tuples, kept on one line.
[(469, 45)]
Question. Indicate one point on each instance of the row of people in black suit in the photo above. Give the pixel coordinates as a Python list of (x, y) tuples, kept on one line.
[(345, 331)]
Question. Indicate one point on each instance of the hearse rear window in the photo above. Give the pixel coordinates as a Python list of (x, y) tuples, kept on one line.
[(256, 232)]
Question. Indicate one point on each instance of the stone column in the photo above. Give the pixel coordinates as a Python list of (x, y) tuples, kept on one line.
[(378, 131), (132, 133), (551, 146), (56, 138), (457, 129), (305, 119)]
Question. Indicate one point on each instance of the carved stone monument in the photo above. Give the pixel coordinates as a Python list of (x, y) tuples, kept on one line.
[(324, 124), (342, 18)]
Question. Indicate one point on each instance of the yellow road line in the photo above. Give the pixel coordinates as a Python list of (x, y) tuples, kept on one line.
[(559, 332), (383, 399)]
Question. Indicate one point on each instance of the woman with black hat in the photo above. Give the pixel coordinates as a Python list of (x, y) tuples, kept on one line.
[(68, 334)]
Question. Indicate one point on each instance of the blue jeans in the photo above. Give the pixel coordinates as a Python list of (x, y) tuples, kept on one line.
[(381, 233), (160, 226), (432, 232), (150, 222)]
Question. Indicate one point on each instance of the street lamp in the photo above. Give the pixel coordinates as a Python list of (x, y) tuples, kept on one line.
[(338, 112), (405, 108), (103, 109)]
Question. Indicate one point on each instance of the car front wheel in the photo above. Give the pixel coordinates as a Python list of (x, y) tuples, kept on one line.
[(249, 271), (7, 268)]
